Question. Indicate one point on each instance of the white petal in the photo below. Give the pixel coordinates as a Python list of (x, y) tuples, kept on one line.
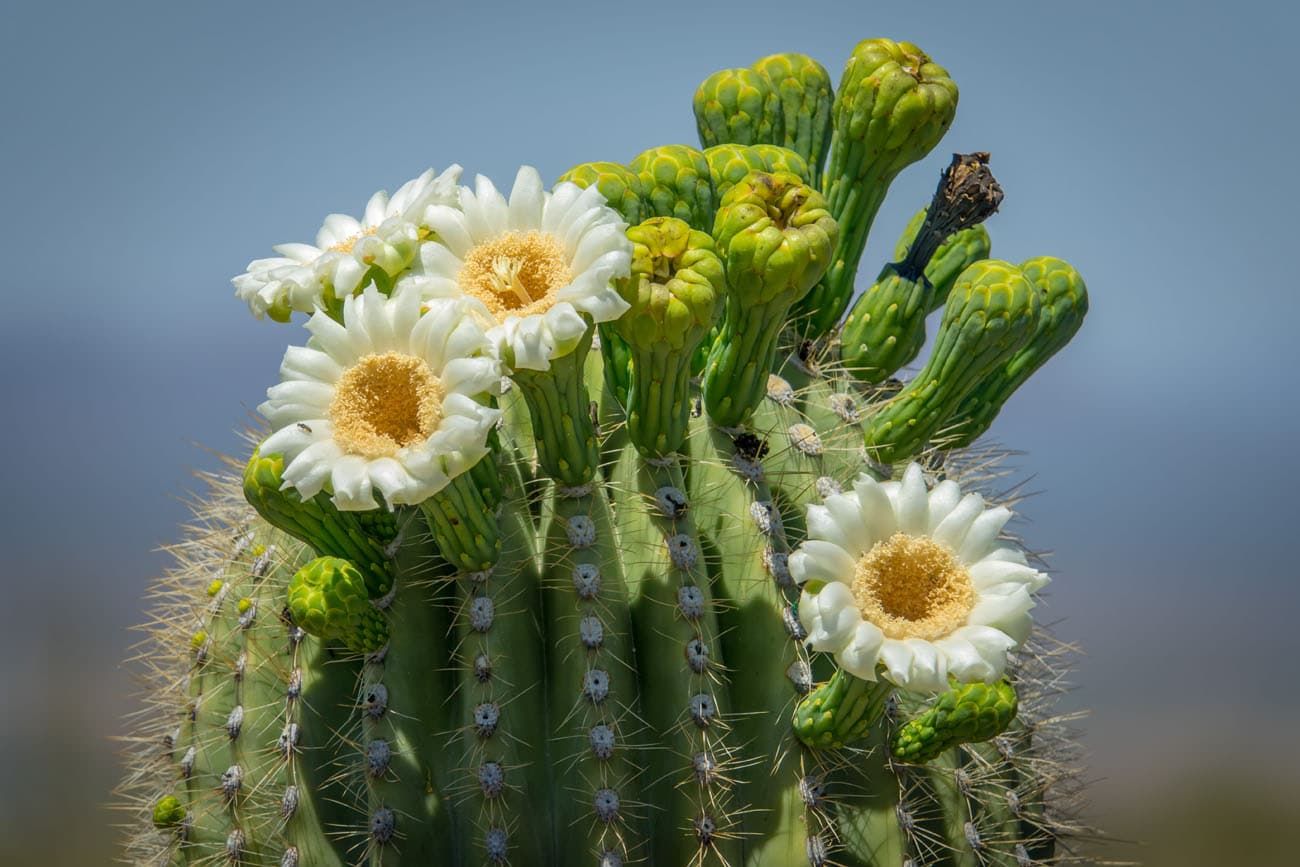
[(526, 200), (835, 617), (876, 509), (451, 228), (1008, 613), (913, 504), (817, 560), (988, 573), (983, 534), (951, 531), (302, 362), (336, 229), (860, 656), (943, 499), (352, 488)]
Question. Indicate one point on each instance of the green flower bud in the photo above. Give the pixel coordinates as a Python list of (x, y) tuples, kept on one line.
[(676, 290), (168, 812), (318, 523), (991, 313), (620, 186), (738, 106), (328, 599), (729, 163), (675, 182), (775, 238), (1064, 303), (840, 711), (806, 95), (969, 713), (894, 105)]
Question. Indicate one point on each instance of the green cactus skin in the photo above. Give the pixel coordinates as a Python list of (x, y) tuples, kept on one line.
[(676, 290), (592, 684), (460, 518), (958, 252), (676, 182), (893, 106), (549, 635), (807, 98), (739, 106), (991, 313), (774, 236), (840, 712), (968, 713), (317, 522), (1064, 303), (560, 409)]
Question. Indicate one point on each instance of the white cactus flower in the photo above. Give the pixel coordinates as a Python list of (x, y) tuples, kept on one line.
[(913, 582), (389, 401), (540, 265), (388, 236)]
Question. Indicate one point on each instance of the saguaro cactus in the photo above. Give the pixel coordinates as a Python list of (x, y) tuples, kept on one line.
[(720, 593)]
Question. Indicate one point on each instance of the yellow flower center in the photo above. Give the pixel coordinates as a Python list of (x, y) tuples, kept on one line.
[(517, 272), (384, 403), (346, 245), (913, 587)]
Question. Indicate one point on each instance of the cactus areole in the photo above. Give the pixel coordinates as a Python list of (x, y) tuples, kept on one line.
[(592, 523)]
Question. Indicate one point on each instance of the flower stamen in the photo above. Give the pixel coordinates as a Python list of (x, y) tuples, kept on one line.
[(346, 245), (384, 403), (516, 272), (913, 587)]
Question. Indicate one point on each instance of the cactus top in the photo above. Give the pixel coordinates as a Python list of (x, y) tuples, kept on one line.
[(540, 266), (348, 253), (388, 401), (913, 582)]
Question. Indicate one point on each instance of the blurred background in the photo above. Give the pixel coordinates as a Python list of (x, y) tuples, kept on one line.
[(151, 149)]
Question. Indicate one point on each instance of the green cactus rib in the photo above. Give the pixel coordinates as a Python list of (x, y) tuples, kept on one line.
[(958, 252), (968, 713), (840, 712), (739, 106), (742, 534), (774, 236), (462, 521), (502, 709), (675, 290), (807, 99), (886, 327), (991, 313), (316, 807), (317, 522), (676, 182), (591, 684), (680, 664), (560, 408), (1064, 303), (893, 106)]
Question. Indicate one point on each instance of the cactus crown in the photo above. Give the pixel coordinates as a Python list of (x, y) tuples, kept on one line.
[(724, 592)]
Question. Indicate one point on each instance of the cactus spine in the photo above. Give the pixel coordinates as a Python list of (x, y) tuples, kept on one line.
[(501, 599)]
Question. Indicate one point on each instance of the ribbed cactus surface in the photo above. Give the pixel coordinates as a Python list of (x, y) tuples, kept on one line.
[(582, 532)]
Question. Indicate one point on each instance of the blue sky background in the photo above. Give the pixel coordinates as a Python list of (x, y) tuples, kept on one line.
[(150, 150)]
